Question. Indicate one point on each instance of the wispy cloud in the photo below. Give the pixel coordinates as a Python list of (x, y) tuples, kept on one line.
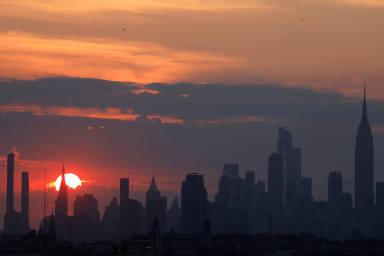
[(26, 56)]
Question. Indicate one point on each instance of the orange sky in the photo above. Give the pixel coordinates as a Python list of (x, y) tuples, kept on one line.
[(318, 43)]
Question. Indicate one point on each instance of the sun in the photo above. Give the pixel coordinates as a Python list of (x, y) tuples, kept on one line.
[(71, 179)]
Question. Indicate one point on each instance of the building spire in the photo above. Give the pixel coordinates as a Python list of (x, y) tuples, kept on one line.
[(365, 114), (63, 184), (153, 186)]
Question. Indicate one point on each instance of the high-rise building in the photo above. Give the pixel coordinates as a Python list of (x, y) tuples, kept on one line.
[(173, 216), (335, 189), (131, 213), (292, 162), (276, 183), (86, 218), (11, 217), (364, 168), (24, 203), (193, 204), (156, 206), (111, 221), (61, 210)]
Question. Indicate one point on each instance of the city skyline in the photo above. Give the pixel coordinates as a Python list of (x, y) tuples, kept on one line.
[(284, 142)]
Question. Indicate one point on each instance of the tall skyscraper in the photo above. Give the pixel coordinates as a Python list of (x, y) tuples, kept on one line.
[(131, 213), (156, 207), (276, 183), (24, 202), (193, 204), (86, 218), (11, 217), (292, 162), (335, 189), (364, 158), (61, 210)]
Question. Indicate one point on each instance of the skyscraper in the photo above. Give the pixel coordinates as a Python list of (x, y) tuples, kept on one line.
[(11, 217), (156, 207), (24, 202), (86, 218), (292, 162), (193, 204), (131, 212), (276, 183), (61, 210), (335, 189), (364, 157)]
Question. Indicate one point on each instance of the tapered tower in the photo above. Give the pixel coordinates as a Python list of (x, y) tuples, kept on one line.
[(364, 167)]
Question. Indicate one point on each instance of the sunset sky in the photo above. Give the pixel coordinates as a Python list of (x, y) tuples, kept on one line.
[(136, 88)]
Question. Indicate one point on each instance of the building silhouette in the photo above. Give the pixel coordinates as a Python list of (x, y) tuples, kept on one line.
[(276, 184), (193, 204), (364, 157), (131, 213), (86, 219), (10, 217), (292, 162), (24, 228), (156, 207), (16, 222), (111, 221), (61, 210), (173, 216), (335, 189)]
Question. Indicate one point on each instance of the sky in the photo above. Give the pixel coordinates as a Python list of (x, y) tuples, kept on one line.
[(135, 88)]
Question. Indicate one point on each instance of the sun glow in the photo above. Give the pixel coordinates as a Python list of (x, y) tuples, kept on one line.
[(71, 179)]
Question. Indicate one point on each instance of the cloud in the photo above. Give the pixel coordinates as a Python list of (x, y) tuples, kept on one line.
[(27, 56)]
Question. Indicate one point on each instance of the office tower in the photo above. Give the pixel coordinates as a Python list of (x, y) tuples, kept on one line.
[(292, 162), (24, 203), (173, 216), (11, 217), (131, 213), (250, 189), (156, 207), (364, 154), (86, 218), (276, 183), (335, 189), (111, 221), (380, 198), (61, 210), (231, 170), (228, 194), (124, 189), (193, 204)]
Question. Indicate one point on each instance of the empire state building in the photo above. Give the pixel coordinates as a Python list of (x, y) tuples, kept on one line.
[(364, 155)]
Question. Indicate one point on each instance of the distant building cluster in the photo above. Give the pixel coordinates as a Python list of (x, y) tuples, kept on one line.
[(242, 205)]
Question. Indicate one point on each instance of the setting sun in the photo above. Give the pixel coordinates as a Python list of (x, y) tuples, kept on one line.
[(71, 179)]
